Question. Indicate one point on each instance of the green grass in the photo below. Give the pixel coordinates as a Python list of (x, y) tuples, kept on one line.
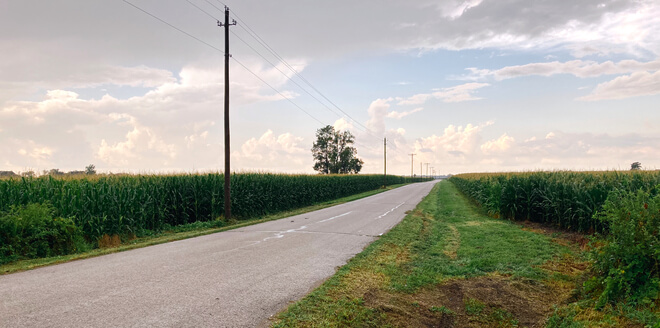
[(401, 279), (177, 233)]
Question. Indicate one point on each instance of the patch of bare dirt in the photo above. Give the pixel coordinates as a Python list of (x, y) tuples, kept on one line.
[(560, 236), (527, 303)]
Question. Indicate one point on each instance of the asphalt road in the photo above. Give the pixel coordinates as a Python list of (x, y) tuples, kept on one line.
[(237, 278)]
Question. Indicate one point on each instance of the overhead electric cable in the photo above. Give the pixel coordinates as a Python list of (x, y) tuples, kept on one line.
[(219, 50), (172, 26), (252, 33), (281, 94), (202, 10), (289, 78)]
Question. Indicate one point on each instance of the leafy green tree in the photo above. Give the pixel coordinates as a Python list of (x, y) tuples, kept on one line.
[(635, 166), (333, 152), (90, 169)]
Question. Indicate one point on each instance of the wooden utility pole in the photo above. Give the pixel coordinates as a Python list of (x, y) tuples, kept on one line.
[(227, 192), (384, 162), (411, 164)]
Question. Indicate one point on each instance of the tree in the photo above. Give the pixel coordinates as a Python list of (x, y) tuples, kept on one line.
[(333, 152), (55, 172), (90, 169), (635, 166)]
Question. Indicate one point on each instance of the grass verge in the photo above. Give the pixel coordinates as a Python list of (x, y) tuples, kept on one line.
[(446, 265), (178, 233)]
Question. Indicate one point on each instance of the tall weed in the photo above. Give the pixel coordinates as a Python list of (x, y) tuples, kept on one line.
[(627, 265), (31, 231)]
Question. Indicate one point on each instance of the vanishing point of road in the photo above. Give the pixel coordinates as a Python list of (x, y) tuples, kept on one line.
[(236, 278)]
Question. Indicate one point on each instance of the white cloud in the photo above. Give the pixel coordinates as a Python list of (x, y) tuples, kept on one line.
[(400, 115), (167, 128), (455, 140), (579, 68), (140, 143), (377, 112), (343, 124), (457, 93), (501, 144), (633, 85), (455, 9), (459, 149), (282, 153), (417, 99)]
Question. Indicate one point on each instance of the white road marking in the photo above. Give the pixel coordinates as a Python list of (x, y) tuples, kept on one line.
[(280, 234), (334, 217), (390, 211)]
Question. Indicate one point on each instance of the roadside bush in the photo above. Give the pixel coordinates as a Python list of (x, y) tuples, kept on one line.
[(31, 231), (626, 266)]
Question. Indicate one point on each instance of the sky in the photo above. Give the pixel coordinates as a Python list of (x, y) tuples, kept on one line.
[(467, 86)]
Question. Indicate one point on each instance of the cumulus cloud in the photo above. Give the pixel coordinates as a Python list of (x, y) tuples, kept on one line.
[(377, 112), (343, 124), (461, 149), (627, 86), (281, 153), (501, 144), (141, 143), (400, 115), (171, 127), (455, 140)]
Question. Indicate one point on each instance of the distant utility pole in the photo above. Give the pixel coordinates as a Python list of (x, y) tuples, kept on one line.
[(226, 25), (427, 169), (384, 162), (411, 164)]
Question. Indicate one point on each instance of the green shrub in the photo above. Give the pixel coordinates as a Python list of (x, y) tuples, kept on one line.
[(31, 231), (626, 266)]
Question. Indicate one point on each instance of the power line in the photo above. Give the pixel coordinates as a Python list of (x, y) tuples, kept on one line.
[(243, 65), (202, 10), (219, 50), (279, 70), (263, 43), (275, 66), (283, 96), (174, 27)]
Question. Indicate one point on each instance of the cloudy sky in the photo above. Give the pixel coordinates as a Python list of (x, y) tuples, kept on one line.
[(466, 85)]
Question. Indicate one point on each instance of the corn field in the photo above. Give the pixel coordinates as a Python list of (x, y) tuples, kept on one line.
[(117, 204), (565, 199)]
